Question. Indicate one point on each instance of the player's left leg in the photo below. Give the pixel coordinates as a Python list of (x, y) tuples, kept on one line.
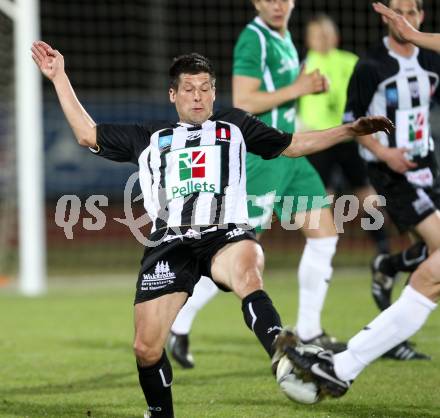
[(397, 323), (239, 267), (393, 326)]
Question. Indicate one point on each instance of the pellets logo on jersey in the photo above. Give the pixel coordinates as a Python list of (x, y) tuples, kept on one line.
[(223, 133), (193, 170), (192, 165), (416, 127)]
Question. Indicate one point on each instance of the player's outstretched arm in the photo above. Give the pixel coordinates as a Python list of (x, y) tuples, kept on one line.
[(305, 143), (51, 64), (406, 31)]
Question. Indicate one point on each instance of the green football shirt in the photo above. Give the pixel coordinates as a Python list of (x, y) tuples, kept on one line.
[(263, 53)]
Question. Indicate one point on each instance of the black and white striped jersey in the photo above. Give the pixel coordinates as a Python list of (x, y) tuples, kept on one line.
[(193, 174), (402, 89)]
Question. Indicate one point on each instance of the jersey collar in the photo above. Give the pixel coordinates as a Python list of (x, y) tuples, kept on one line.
[(275, 34), (386, 42)]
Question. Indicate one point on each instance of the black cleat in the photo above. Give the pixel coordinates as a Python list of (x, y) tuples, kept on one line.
[(327, 342), (382, 284), (318, 368), (404, 352), (178, 346)]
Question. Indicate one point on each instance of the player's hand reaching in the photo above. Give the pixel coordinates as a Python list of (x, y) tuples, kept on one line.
[(405, 30), (311, 83), (371, 124), (49, 60)]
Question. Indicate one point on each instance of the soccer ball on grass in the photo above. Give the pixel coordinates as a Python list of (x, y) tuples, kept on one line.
[(291, 381)]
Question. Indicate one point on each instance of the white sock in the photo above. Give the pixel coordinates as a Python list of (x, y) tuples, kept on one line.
[(204, 291), (393, 326), (314, 274)]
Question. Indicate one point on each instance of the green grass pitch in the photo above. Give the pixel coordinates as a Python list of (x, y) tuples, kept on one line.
[(69, 355)]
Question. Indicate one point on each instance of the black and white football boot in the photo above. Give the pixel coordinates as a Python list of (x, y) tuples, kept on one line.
[(382, 284), (318, 368), (178, 347), (404, 352)]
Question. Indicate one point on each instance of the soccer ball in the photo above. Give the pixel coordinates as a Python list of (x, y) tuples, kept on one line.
[(290, 382)]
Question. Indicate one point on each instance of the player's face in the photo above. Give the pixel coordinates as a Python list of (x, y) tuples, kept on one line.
[(275, 13), (321, 37), (194, 97), (408, 9)]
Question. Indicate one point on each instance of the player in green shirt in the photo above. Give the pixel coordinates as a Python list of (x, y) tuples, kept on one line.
[(267, 80)]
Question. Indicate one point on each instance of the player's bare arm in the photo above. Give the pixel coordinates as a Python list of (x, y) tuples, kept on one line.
[(407, 31), (305, 143), (51, 64), (395, 158), (246, 92)]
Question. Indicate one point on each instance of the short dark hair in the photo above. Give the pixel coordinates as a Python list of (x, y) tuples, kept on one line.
[(190, 64), (419, 4)]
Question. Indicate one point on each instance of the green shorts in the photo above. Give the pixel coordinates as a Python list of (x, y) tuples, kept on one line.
[(284, 185)]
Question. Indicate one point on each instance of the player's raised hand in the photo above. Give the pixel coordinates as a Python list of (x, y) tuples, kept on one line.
[(49, 60), (405, 30), (371, 124)]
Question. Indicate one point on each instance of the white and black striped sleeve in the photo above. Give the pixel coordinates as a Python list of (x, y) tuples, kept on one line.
[(122, 143), (361, 89), (260, 139)]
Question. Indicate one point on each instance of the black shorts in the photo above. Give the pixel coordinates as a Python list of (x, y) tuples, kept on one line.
[(183, 255), (407, 204), (344, 158)]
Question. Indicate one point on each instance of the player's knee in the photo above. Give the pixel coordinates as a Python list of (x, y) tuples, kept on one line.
[(428, 273), (433, 245), (247, 282), (147, 354)]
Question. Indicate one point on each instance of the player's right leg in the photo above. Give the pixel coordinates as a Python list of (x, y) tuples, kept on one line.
[(153, 319), (167, 276), (393, 326)]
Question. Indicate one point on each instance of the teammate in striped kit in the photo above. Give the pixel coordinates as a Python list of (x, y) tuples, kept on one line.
[(406, 31), (193, 178), (266, 82), (400, 81)]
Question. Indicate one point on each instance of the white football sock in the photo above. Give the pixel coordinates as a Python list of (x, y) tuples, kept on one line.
[(314, 274), (393, 326), (204, 291)]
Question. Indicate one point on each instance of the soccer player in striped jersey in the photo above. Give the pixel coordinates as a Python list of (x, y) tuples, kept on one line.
[(266, 82), (193, 179), (408, 32), (400, 81)]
